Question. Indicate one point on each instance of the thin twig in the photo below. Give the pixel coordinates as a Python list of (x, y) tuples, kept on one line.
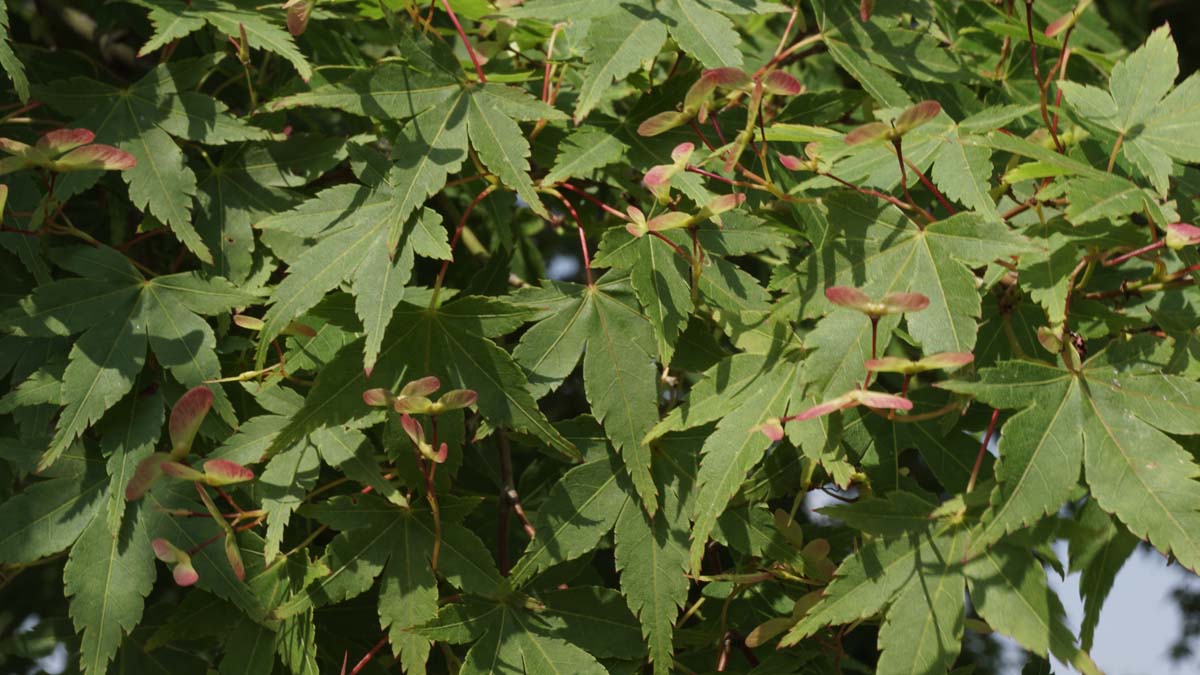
[(462, 35), (462, 222)]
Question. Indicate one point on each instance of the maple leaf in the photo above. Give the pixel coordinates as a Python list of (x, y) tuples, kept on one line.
[(143, 119), (1109, 419), (1153, 119), (121, 313)]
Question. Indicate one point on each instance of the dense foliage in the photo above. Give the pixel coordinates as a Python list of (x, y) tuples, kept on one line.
[(522, 337)]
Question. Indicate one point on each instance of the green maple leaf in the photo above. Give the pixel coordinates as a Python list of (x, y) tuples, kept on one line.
[(883, 252), (8, 59), (231, 198), (174, 19), (143, 119), (107, 578), (49, 515), (560, 632), (1098, 549), (125, 312), (601, 324), (651, 553), (444, 112), (1108, 418), (1155, 120), (616, 46), (392, 544), (587, 149), (564, 530), (916, 580), (761, 387), (660, 278), (450, 342)]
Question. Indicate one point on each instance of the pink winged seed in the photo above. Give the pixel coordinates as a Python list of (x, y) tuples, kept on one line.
[(779, 82), (226, 472), (96, 157), (62, 140), (846, 296), (422, 387), (187, 415)]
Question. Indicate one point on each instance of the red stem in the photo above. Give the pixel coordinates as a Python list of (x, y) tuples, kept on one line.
[(723, 179), (607, 209), (462, 222), (982, 449), (931, 187), (370, 655), (717, 128), (462, 35), (703, 138), (587, 261), (1134, 253), (677, 247), (900, 204)]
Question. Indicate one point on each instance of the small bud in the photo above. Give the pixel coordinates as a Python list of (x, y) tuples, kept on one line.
[(248, 322), (772, 428), (865, 7), (871, 131), (791, 162), (413, 405), (943, 361), (184, 573), (95, 158), (892, 303), (62, 140), (1050, 339)]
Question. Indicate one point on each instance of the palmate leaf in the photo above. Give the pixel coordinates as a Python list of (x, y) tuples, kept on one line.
[(922, 631), (963, 172), (585, 150), (1155, 119), (107, 578), (231, 198), (142, 119), (883, 252), (660, 278), (420, 342), (365, 235), (1109, 417), (917, 580), (1008, 588), (617, 46), (737, 444), (8, 59), (49, 515), (651, 553), (129, 313), (603, 325), (565, 634), (174, 19), (1099, 550), (581, 508)]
